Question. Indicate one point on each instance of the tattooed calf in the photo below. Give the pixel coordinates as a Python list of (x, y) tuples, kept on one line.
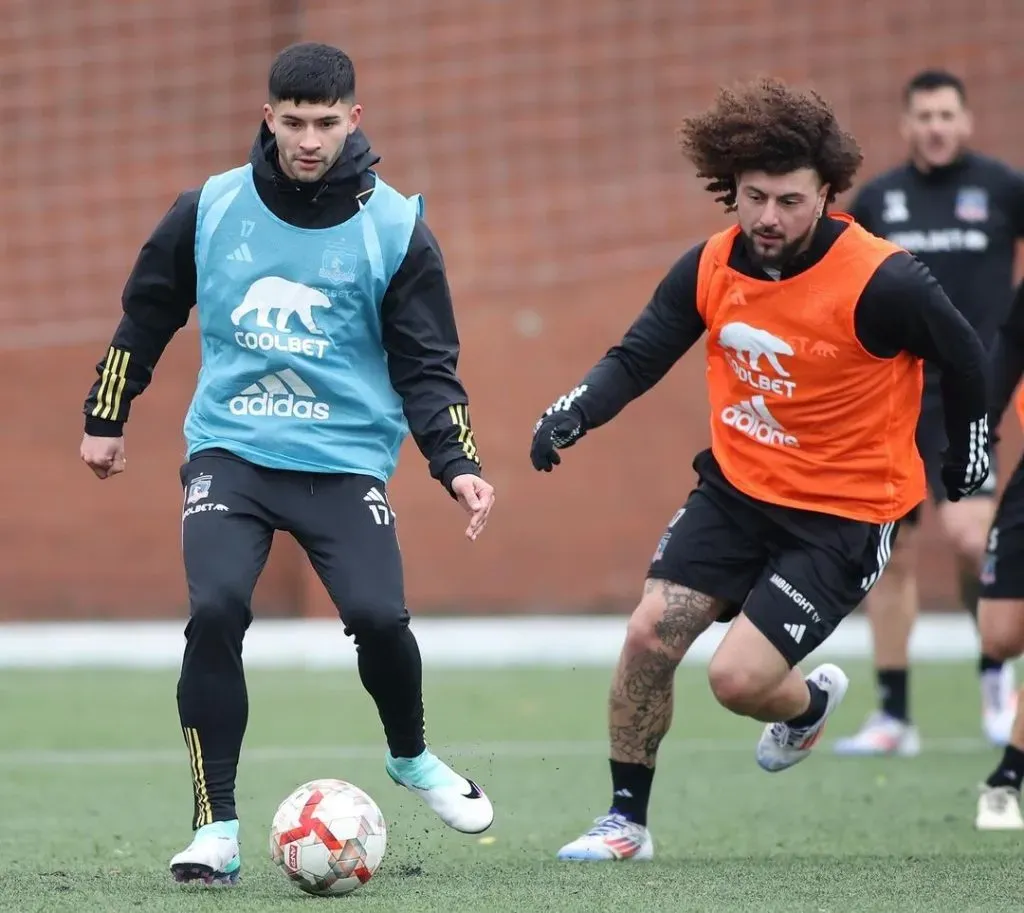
[(640, 706)]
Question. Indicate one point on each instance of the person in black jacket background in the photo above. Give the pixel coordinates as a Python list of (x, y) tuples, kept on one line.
[(960, 213)]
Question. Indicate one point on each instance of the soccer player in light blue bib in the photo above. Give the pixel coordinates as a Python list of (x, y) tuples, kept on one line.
[(328, 335)]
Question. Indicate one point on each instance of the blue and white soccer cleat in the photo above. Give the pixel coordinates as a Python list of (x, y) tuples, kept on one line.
[(780, 746), (212, 858), (613, 838), (881, 734), (458, 802)]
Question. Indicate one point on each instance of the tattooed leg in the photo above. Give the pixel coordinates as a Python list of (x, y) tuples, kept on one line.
[(667, 621)]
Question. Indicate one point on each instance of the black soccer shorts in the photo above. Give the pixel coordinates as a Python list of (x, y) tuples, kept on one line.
[(795, 574), (344, 523), (1002, 570)]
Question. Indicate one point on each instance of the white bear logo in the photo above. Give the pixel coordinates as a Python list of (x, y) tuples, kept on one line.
[(272, 293), (751, 344)]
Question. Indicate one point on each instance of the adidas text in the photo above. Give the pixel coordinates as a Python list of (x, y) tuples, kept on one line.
[(286, 406), (753, 419)]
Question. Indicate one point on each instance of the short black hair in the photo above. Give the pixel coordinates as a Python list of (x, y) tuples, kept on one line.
[(312, 73), (930, 80)]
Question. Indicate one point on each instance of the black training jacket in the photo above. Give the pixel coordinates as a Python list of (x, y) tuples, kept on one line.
[(419, 329)]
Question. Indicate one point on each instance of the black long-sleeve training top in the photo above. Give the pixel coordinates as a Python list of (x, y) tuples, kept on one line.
[(1008, 358), (419, 328), (962, 221), (902, 308)]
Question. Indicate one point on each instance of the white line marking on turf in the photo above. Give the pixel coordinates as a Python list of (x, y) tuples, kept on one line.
[(534, 750), (458, 643)]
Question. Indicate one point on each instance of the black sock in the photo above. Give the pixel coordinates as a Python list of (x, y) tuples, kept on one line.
[(970, 592), (1010, 771), (391, 671), (892, 692), (213, 707), (988, 664), (631, 790), (815, 710)]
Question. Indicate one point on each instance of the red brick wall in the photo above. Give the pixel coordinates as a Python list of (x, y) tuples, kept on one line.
[(542, 137)]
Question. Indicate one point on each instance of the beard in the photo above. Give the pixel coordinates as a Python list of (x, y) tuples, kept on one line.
[(780, 255)]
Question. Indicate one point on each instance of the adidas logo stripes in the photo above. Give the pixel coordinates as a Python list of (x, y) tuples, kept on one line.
[(282, 394), (379, 507), (286, 381), (795, 631)]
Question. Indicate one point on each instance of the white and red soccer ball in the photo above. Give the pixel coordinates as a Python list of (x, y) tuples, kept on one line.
[(328, 837)]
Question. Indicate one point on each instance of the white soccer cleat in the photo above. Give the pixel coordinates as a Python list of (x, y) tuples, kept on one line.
[(780, 746), (613, 838), (212, 858), (458, 802), (998, 704), (881, 734), (999, 809)]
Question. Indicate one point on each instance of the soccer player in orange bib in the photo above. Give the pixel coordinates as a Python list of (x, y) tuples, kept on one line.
[(816, 335)]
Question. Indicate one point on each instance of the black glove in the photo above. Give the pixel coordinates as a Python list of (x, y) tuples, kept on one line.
[(560, 427), (962, 476)]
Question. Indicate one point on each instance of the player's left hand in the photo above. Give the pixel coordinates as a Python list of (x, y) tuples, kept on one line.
[(962, 478), (476, 497), (964, 471)]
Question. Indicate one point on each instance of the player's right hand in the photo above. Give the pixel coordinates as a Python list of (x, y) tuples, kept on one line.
[(103, 455), (477, 498), (558, 428)]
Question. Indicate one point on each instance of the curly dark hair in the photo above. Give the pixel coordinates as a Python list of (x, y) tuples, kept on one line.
[(764, 125)]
